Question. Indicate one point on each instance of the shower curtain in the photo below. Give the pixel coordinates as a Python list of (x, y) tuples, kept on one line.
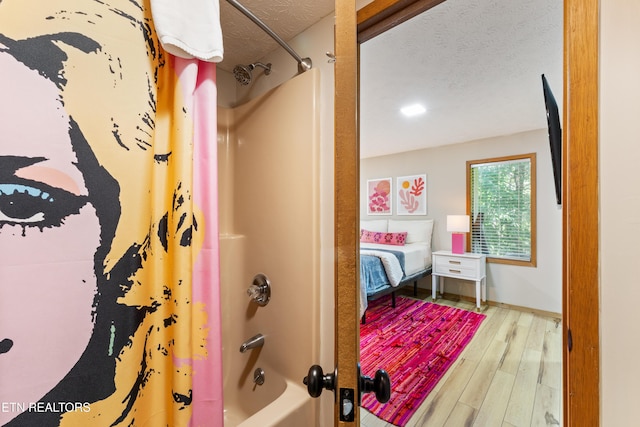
[(109, 281)]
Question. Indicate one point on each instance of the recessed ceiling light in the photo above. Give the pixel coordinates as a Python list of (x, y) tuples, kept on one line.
[(413, 110)]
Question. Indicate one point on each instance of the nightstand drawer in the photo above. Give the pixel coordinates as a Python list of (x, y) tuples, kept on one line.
[(447, 262), (457, 271)]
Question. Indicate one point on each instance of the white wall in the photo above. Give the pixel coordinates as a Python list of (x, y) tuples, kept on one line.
[(534, 287), (619, 210)]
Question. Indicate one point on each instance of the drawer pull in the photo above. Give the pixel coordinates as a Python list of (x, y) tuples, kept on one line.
[(454, 262), (454, 271)]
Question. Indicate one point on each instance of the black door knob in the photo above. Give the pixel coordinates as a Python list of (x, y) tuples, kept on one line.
[(380, 385), (316, 381)]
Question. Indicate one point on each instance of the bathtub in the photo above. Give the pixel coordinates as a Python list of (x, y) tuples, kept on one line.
[(277, 403)]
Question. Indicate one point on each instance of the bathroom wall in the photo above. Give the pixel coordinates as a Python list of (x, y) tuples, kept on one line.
[(276, 206)]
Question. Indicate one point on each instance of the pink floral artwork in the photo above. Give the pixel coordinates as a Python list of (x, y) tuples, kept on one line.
[(379, 196), (412, 195)]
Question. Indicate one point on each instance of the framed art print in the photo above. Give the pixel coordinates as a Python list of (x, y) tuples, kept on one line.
[(412, 195), (379, 196)]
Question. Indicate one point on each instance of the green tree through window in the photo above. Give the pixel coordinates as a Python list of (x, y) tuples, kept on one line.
[(501, 195)]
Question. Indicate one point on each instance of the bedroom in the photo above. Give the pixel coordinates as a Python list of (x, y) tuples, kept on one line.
[(538, 288), (459, 125)]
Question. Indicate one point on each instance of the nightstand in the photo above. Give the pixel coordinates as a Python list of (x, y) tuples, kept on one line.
[(466, 266)]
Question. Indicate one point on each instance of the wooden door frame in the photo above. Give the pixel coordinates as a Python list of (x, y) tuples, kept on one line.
[(346, 215), (580, 252)]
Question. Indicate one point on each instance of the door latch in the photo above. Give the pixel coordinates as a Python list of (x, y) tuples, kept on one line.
[(347, 405)]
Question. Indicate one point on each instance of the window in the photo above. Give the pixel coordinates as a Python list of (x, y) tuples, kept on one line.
[(501, 202)]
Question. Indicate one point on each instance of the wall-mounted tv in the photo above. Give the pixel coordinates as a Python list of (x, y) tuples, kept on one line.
[(555, 137)]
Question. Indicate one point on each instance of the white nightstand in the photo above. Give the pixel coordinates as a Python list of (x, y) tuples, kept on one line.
[(467, 266)]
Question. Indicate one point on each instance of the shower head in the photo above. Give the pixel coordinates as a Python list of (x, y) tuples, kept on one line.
[(242, 73)]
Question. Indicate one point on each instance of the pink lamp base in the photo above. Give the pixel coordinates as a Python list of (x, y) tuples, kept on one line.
[(457, 243)]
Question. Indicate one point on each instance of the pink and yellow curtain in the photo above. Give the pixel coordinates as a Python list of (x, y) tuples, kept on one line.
[(109, 281)]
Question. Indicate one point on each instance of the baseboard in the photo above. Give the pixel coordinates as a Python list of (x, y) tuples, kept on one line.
[(426, 293)]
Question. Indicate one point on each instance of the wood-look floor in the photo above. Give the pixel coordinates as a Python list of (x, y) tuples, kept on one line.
[(510, 375)]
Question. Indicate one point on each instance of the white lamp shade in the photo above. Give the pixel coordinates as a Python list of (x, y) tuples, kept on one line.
[(458, 223)]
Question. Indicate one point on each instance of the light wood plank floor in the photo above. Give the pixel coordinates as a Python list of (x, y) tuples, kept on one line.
[(510, 375)]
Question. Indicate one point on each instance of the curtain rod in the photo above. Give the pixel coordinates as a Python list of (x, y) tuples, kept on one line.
[(304, 64)]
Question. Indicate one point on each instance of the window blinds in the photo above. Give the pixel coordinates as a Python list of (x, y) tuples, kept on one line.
[(501, 209)]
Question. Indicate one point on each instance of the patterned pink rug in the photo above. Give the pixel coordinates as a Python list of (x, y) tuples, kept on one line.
[(416, 343)]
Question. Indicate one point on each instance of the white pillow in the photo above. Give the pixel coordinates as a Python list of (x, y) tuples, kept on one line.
[(417, 230), (378, 225)]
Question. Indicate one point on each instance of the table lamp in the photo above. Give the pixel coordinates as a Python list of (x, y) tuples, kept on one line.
[(457, 225)]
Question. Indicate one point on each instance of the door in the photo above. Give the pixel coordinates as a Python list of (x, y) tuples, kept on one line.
[(347, 336)]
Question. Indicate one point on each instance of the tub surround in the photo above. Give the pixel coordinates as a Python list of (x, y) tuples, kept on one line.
[(269, 218)]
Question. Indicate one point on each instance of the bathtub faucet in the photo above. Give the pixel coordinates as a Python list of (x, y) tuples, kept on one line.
[(253, 342)]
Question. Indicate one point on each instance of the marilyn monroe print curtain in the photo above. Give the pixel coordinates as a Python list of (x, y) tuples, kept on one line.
[(109, 311)]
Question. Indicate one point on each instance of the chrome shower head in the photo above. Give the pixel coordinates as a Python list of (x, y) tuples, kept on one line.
[(242, 73)]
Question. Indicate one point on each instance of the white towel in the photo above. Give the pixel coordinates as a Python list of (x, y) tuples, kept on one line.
[(189, 28)]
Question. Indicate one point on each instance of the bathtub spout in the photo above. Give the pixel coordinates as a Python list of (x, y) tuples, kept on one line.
[(253, 342)]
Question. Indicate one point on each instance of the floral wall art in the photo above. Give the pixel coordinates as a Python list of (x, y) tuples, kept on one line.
[(379, 196), (412, 195)]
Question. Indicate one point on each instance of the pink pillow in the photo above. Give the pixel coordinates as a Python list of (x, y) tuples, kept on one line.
[(397, 239)]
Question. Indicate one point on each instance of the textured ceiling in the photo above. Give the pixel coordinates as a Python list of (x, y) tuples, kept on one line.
[(245, 42), (474, 64)]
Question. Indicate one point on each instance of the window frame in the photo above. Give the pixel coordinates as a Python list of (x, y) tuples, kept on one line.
[(532, 159)]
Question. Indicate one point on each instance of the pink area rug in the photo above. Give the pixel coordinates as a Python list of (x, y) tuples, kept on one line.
[(415, 342)]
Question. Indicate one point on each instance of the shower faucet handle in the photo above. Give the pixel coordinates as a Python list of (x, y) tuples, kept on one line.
[(260, 290)]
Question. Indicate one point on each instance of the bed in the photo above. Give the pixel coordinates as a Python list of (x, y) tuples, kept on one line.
[(393, 254)]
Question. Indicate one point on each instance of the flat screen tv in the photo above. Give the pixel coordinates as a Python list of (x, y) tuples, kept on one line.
[(555, 137)]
